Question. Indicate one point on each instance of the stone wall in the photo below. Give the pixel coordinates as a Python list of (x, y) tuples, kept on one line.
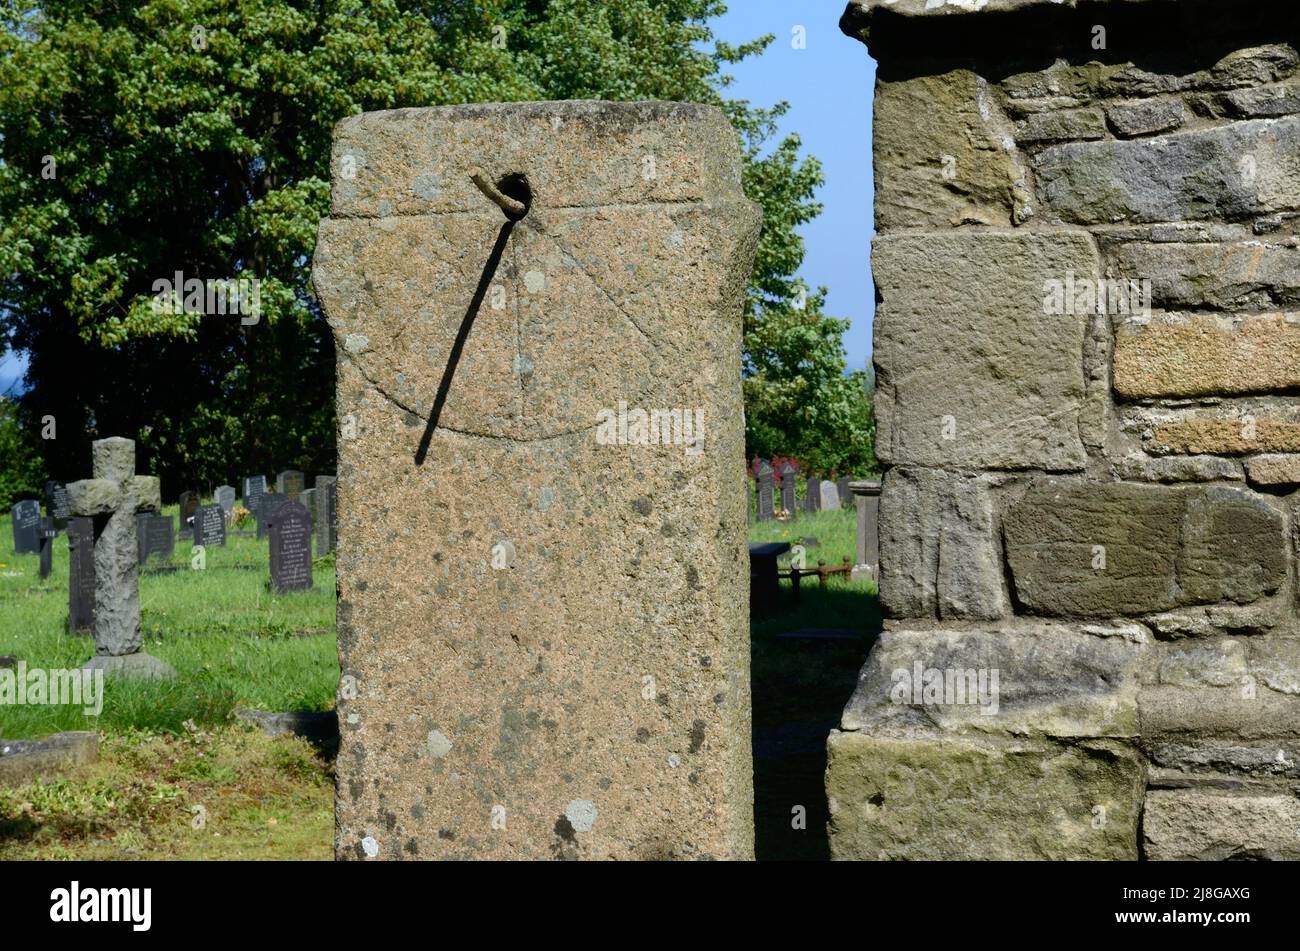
[(1087, 350)]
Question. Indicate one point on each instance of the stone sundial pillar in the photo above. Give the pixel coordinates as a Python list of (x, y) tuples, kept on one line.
[(543, 623)]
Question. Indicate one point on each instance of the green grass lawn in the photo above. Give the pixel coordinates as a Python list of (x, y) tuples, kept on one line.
[(233, 643)]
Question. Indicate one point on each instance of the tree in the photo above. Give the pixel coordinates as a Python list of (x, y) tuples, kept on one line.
[(799, 401), (145, 139), (20, 465)]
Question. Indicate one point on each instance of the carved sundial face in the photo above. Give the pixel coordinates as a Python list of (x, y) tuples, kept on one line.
[(566, 321)]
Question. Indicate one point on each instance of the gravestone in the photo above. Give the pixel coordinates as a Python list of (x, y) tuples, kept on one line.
[(81, 575), (290, 530), (187, 504), (209, 526), (26, 525), (830, 496), (813, 495), (47, 532), (254, 487), (766, 492), (503, 709), (307, 499), (56, 503), (267, 506), (787, 488), (142, 535), (842, 490), (112, 498), (157, 536), (325, 514), (225, 497), (866, 498), (289, 483)]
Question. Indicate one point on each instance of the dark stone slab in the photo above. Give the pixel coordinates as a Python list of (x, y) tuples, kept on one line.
[(209, 525), (26, 526), (47, 532), (267, 506), (813, 497), (764, 580), (155, 536), (290, 530), (81, 575), (254, 487), (57, 504)]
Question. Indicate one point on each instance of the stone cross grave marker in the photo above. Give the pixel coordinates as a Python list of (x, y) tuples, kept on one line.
[(577, 263), (112, 498), (267, 506), (813, 495), (766, 493), (290, 548), (56, 503), (209, 526), (26, 521), (81, 575), (47, 532), (289, 483), (225, 497), (787, 488), (326, 503)]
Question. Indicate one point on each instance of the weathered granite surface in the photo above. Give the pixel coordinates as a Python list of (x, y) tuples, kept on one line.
[(543, 636)]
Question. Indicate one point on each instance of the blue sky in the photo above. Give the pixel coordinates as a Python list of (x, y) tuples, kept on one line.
[(11, 368), (829, 87)]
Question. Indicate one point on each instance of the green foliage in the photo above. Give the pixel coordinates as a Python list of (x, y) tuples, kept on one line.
[(20, 465), (192, 136)]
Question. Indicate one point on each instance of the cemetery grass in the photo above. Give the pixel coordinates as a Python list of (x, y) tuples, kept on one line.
[(228, 793), (167, 747), (233, 643), (800, 686)]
